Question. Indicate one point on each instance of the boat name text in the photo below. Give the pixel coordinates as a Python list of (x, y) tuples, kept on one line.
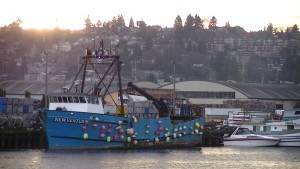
[(68, 120)]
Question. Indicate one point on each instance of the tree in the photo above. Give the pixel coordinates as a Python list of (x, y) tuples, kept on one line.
[(178, 30), (198, 23), (270, 30), (295, 29), (121, 21), (189, 22), (227, 24), (178, 23), (88, 22), (212, 23), (16, 24), (141, 24), (98, 23), (131, 23)]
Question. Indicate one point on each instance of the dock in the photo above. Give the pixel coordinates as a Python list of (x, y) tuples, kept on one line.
[(22, 138)]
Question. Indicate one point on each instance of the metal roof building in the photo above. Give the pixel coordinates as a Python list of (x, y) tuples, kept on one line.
[(197, 92), (205, 92)]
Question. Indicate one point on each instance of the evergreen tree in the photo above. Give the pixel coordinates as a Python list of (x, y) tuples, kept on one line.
[(178, 30), (295, 29), (212, 23), (198, 23), (121, 21), (270, 30), (88, 22), (98, 24), (131, 23), (189, 22), (227, 24)]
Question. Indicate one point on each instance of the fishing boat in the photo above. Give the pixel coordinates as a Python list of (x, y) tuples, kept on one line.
[(77, 120), (244, 137)]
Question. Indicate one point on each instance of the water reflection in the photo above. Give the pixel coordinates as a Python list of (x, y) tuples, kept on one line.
[(206, 157)]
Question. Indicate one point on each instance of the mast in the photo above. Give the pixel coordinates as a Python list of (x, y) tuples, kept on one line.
[(120, 84)]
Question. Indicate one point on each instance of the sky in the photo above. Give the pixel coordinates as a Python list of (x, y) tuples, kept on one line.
[(252, 15)]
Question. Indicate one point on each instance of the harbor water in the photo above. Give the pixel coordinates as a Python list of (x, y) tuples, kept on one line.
[(204, 157)]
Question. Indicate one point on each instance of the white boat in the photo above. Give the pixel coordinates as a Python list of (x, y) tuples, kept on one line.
[(287, 131), (285, 125), (244, 137)]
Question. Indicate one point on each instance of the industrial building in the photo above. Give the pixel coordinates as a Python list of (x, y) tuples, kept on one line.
[(206, 93)]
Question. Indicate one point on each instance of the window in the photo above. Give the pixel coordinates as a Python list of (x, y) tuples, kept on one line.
[(290, 127), (59, 99), (82, 100), (267, 128), (88, 99), (65, 99), (97, 101), (256, 128), (75, 99), (55, 99), (51, 99), (70, 99)]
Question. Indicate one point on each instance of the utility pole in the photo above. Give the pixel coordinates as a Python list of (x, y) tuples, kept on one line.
[(46, 80), (174, 94)]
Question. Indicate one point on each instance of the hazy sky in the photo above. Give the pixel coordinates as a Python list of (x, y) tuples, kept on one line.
[(250, 14)]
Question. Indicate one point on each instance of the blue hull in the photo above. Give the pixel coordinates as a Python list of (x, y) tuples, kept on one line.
[(78, 130)]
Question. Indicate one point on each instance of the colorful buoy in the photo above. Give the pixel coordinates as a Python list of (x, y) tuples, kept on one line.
[(86, 122), (103, 127), (197, 125), (85, 136), (168, 139), (95, 125), (102, 135), (115, 137), (156, 139), (83, 127), (108, 139), (128, 139)]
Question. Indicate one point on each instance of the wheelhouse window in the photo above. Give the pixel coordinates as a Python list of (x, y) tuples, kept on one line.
[(70, 99), (59, 99), (88, 99), (97, 101), (55, 100), (65, 99), (75, 99), (82, 100), (51, 99)]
